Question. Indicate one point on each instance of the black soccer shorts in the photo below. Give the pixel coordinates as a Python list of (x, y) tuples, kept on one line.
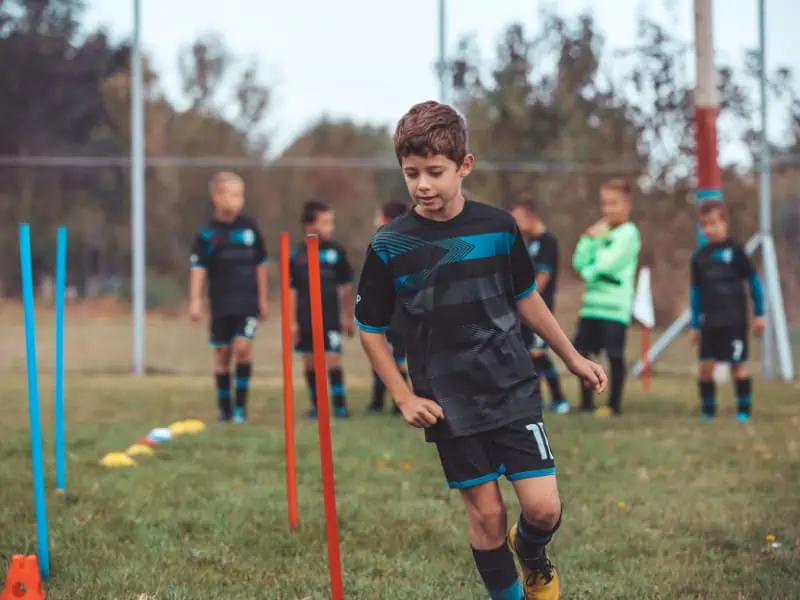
[(724, 344), (225, 328), (595, 335), (519, 450), (397, 343), (305, 342)]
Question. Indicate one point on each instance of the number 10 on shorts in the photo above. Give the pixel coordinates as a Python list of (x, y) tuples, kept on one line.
[(539, 434)]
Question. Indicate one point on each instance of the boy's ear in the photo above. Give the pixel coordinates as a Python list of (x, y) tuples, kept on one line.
[(466, 165)]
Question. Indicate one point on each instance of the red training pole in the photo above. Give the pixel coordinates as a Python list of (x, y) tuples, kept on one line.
[(288, 383), (324, 419)]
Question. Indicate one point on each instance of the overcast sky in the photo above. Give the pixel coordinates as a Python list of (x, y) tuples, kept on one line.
[(369, 60)]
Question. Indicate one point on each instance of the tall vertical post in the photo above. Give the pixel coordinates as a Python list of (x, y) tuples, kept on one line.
[(138, 259), (441, 66), (776, 333), (706, 107)]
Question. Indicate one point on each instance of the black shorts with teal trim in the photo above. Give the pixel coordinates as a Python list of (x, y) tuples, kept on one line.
[(224, 329), (305, 341), (519, 450)]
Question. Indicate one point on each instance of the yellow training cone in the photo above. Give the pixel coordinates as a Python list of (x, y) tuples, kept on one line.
[(140, 450), (193, 426), (115, 460), (178, 428)]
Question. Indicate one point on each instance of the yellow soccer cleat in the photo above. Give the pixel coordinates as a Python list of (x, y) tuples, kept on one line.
[(540, 582), (602, 411)]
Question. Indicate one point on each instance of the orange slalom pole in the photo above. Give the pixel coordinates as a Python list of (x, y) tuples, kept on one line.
[(288, 385), (645, 358), (324, 419)]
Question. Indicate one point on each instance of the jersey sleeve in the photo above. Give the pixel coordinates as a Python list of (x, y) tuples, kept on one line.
[(344, 271), (694, 293), (260, 248), (523, 274), (375, 299), (546, 259), (199, 256), (748, 272)]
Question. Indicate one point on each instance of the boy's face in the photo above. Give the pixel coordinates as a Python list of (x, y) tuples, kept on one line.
[(380, 220), (323, 226), (714, 226), (228, 198), (524, 220), (615, 206), (434, 181)]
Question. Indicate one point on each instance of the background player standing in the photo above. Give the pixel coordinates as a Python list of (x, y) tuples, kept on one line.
[(606, 258), (462, 276), (543, 250), (719, 309), (395, 335), (229, 252), (336, 278)]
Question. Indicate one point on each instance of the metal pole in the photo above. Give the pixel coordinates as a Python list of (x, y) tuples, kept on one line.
[(764, 192), (137, 198), (441, 67)]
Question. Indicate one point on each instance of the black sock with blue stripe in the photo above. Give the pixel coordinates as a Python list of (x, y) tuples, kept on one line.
[(708, 398), (532, 541), (744, 395), (499, 573), (224, 394), (243, 374), (378, 391), (312, 387), (336, 377)]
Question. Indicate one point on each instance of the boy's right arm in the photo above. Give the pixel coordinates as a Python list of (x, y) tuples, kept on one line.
[(374, 309), (584, 253), (197, 278)]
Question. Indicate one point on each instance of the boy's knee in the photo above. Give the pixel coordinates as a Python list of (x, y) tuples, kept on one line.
[(544, 515), (222, 358), (333, 360), (243, 352), (488, 519), (740, 371), (706, 370)]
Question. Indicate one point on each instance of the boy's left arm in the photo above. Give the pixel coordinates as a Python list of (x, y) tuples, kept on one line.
[(535, 314), (748, 271), (262, 279), (609, 258), (344, 277)]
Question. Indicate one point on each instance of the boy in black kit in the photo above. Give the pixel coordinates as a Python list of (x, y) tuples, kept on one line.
[(461, 275), (719, 309), (336, 278), (395, 335), (543, 250), (229, 252)]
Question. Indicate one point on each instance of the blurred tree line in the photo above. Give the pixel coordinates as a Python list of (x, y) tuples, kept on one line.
[(550, 111)]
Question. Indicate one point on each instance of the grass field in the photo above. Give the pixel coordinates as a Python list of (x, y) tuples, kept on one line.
[(657, 504)]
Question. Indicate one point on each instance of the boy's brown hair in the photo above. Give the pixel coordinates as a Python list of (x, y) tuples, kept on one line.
[(619, 185), (220, 178), (431, 128), (706, 207), (527, 203)]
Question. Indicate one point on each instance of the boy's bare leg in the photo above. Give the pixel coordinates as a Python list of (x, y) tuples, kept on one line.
[(487, 522)]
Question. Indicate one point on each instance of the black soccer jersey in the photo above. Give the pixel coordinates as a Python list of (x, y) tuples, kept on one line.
[(717, 295), (543, 249), (335, 271), (457, 283), (230, 253)]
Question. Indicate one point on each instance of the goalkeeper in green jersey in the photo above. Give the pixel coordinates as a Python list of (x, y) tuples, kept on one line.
[(606, 258)]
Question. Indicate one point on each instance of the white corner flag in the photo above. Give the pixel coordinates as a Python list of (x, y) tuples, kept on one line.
[(643, 310)]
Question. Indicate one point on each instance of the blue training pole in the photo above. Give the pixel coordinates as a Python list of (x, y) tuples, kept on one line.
[(34, 411), (61, 284)]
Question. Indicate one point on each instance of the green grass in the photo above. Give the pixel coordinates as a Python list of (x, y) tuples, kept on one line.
[(206, 517)]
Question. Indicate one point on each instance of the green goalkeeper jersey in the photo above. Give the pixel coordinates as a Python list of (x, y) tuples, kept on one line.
[(607, 263)]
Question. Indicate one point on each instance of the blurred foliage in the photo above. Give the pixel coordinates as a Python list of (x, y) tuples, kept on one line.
[(551, 112)]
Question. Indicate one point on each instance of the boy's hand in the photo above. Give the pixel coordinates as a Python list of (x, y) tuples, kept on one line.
[(590, 373), (263, 310), (420, 412), (758, 325), (694, 336), (598, 228), (195, 310), (348, 326)]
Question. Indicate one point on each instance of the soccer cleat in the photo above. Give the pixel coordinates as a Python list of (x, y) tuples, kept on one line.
[(224, 418), (340, 412), (560, 407), (239, 416), (602, 411), (743, 417), (539, 578), (374, 409), (706, 417)]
